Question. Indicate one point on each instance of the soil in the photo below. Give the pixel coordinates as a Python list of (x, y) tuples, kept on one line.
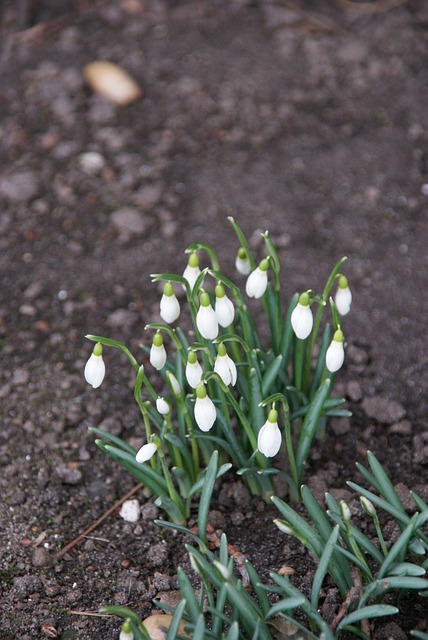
[(299, 117)]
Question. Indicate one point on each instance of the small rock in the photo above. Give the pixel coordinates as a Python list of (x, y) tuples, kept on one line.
[(130, 510), (111, 425), (69, 474), (148, 196), (420, 455), (171, 598), (237, 518), (390, 631), (91, 162), (403, 493), (157, 554), (354, 391), (403, 428), (41, 557), (356, 355), (34, 290), (20, 377), (20, 186), (241, 495), (128, 222), (121, 318), (340, 426), (161, 581), (149, 511), (383, 409)]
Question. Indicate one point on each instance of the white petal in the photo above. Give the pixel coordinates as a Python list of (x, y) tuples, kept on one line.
[(225, 311), (343, 299), (157, 357), (302, 321), (162, 406), (226, 369), (146, 452), (95, 371), (256, 283), (206, 321), (169, 308), (335, 356), (193, 374), (243, 266), (269, 439), (205, 413), (191, 274), (126, 635), (174, 384)]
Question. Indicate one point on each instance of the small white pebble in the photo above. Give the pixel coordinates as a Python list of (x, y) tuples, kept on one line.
[(130, 511), (424, 189)]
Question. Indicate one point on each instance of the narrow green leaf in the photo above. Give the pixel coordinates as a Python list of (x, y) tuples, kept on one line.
[(404, 582), (192, 605), (285, 605), (175, 622), (398, 549), (287, 331), (309, 425), (270, 375), (199, 630), (233, 633), (423, 506), (122, 612), (142, 472), (323, 566), (320, 364), (372, 611), (120, 444), (206, 495), (175, 512), (385, 484), (243, 241), (406, 569), (256, 584)]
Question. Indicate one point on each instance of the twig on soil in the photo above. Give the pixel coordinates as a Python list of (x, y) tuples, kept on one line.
[(95, 614), (370, 7), (61, 553), (355, 592)]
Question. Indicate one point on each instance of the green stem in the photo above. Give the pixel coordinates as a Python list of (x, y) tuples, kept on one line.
[(299, 354)]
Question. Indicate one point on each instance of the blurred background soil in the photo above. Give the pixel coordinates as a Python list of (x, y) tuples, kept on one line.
[(303, 118)]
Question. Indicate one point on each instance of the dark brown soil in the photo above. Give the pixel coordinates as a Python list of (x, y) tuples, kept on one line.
[(297, 117)]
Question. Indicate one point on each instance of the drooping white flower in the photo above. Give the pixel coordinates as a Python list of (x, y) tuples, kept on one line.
[(126, 631), (162, 406), (335, 354), (157, 352), (269, 438), (146, 452), (206, 319), (257, 281), (192, 271), (95, 368), (242, 263), (224, 366), (193, 370), (301, 318), (224, 309), (205, 411), (343, 297), (169, 305)]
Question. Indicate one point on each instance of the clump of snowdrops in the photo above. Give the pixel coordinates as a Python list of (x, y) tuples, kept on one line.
[(228, 385), (371, 577)]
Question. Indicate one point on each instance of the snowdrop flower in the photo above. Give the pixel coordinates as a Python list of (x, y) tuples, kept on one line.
[(169, 305), (224, 366), (174, 385), (162, 406), (206, 319), (146, 452), (192, 271), (335, 353), (242, 263), (258, 280), (126, 631), (95, 368), (269, 438), (301, 318), (368, 506), (193, 370), (343, 297), (345, 511), (157, 352), (205, 411), (224, 309)]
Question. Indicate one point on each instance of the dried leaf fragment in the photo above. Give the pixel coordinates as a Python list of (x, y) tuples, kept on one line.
[(112, 82)]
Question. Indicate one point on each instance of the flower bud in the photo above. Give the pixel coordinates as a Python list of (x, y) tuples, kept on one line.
[(284, 527), (224, 309), (335, 354), (257, 281), (193, 370), (162, 406), (224, 366), (174, 385), (242, 262), (95, 368), (345, 511), (205, 411), (146, 452), (206, 319), (301, 318), (192, 271), (343, 297), (368, 506), (157, 352), (169, 305), (126, 631), (269, 438)]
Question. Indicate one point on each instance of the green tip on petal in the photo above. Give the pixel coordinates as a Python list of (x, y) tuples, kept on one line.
[(222, 351), (192, 357), (264, 265), (304, 299), (193, 260), (98, 349), (338, 335), (168, 289), (157, 340), (273, 416), (201, 392), (205, 299), (219, 291), (343, 282), (126, 627), (242, 254)]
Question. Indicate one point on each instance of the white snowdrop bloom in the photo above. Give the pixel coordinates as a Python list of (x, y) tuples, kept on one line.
[(224, 309), (173, 384), (162, 406), (269, 438), (126, 631), (343, 297), (130, 510), (257, 281), (206, 319), (193, 370), (301, 318), (205, 411), (146, 452), (335, 354), (224, 366), (345, 511), (192, 271), (242, 263), (95, 368), (157, 352), (169, 305)]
